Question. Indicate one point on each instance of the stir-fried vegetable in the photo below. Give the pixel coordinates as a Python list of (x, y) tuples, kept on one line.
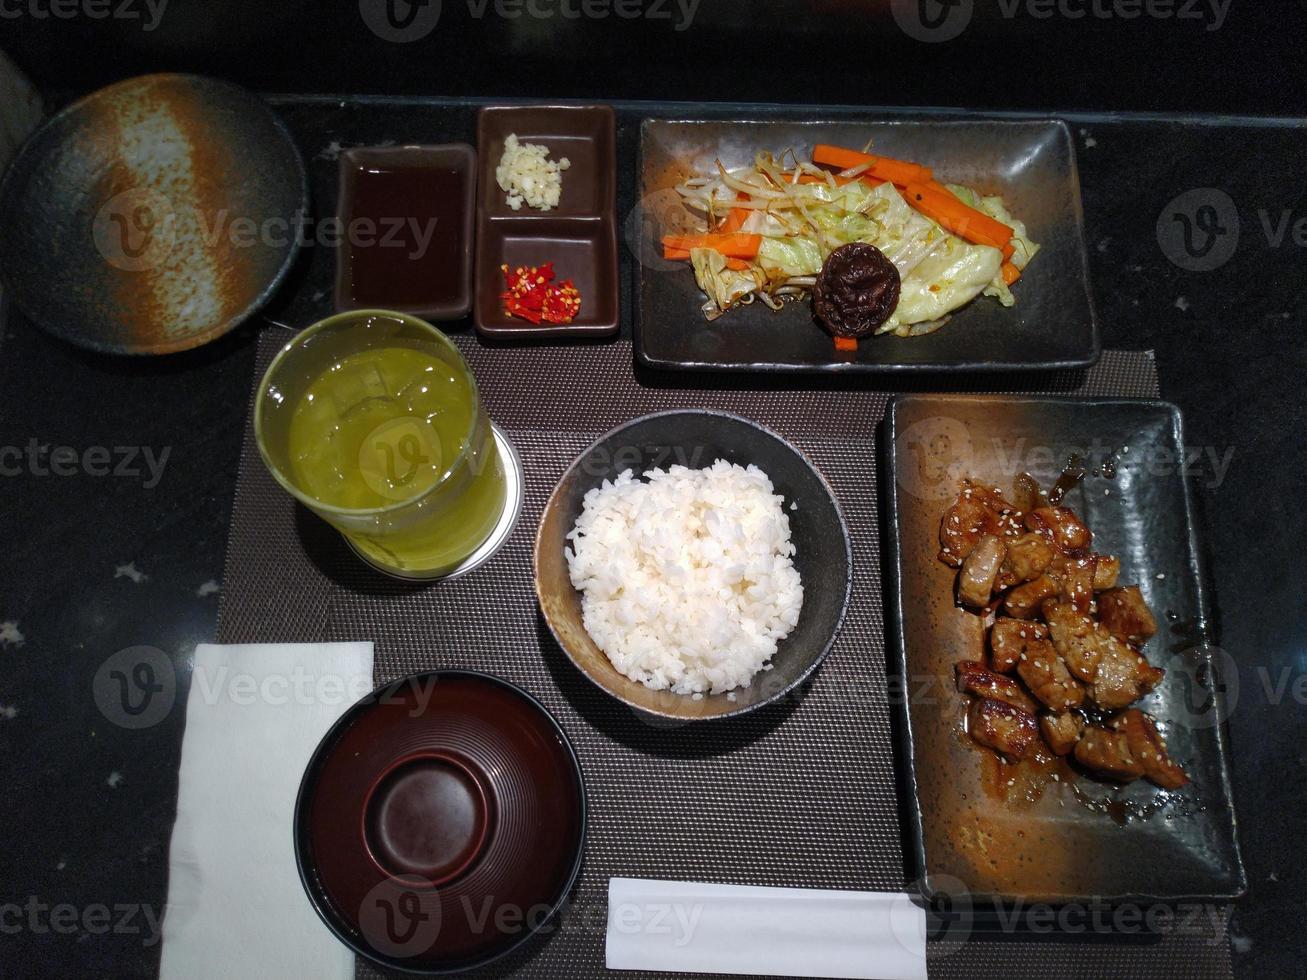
[(732, 245), (896, 171), (944, 207), (767, 230)]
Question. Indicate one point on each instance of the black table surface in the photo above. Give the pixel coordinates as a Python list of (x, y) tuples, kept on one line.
[(97, 562)]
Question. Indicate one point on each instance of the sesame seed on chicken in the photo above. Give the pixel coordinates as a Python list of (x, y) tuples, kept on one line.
[(1065, 661)]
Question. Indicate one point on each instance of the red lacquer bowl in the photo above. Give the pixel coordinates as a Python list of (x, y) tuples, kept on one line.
[(440, 822)]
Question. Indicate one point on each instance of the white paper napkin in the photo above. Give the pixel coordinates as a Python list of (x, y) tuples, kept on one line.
[(685, 927), (255, 713)]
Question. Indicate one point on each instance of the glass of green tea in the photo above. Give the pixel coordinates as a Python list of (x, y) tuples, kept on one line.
[(372, 420)]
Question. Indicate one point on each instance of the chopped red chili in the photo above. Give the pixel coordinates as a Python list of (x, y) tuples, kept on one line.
[(534, 296)]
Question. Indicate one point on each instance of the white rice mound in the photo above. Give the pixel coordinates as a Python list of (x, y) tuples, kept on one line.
[(687, 577)]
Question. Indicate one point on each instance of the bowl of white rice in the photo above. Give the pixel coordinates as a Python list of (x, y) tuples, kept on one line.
[(694, 565)]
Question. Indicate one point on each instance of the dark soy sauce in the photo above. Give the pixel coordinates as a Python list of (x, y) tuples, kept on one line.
[(414, 257)]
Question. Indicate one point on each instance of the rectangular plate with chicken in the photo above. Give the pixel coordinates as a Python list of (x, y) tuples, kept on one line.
[(1062, 713), (740, 223)]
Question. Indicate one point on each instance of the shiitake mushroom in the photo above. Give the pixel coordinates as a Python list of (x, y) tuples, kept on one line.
[(856, 291)]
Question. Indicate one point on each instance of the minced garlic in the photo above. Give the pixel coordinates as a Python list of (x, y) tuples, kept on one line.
[(527, 175)]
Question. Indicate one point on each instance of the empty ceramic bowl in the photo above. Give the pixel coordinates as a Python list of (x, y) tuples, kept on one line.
[(152, 216)]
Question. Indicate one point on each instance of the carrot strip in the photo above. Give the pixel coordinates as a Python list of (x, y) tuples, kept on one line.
[(942, 206), (678, 254), (733, 221), (900, 172), (736, 217), (846, 343), (1010, 273), (733, 246)]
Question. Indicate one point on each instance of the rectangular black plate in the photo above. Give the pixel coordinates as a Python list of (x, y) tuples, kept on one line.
[(1055, 848), (1031, 163)]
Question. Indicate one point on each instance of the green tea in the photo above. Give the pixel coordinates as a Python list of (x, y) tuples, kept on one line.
[(392, 424)]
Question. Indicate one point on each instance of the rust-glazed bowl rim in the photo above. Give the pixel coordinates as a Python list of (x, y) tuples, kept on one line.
[(8, 181)]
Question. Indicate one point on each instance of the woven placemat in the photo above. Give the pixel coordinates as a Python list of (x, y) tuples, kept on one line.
[(801, 794)]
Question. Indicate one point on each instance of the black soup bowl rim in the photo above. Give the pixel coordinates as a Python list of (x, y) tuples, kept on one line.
[(821, 655), (322, 905)]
